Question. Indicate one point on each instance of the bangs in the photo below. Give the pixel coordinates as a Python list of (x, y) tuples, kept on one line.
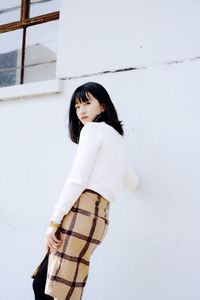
[(81, 96)]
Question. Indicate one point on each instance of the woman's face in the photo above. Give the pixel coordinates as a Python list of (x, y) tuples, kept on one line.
[(87, 111)]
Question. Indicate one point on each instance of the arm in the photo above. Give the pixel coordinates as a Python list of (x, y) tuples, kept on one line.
[(87, 151)]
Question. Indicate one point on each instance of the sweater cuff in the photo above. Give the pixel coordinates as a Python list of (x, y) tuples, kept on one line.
[(51, 230), (57, 216)]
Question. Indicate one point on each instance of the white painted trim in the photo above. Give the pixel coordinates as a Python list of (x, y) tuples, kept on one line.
[(31, 89)]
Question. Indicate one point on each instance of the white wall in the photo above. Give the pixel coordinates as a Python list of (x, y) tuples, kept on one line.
[(151, 250)]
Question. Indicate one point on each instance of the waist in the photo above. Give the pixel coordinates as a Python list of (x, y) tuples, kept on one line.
[(90, 191), (104, 201)]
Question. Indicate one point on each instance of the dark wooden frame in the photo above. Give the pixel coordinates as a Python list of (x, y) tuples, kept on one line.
[(25, 22)]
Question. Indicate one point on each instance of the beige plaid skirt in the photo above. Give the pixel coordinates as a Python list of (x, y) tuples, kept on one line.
[(81, 231)]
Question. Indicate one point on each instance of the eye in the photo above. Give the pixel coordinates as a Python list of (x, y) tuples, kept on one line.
[(88, 102)]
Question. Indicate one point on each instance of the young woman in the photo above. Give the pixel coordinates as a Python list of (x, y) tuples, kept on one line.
[(81, 216)]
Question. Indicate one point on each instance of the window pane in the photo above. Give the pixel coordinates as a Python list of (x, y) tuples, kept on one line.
[(9, 11), (40, 7), (41, 52), (10, 58)]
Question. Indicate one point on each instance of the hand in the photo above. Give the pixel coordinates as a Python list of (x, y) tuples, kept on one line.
[(51, 241)]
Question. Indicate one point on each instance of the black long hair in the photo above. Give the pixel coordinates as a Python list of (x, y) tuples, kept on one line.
[(109, 115)]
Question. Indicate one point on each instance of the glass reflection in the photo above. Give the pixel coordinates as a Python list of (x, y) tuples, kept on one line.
[(41, 52), (41, 7), (9, 11), (10, 58)]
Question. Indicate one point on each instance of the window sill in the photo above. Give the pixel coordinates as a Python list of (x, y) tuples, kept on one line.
[(31, 89)]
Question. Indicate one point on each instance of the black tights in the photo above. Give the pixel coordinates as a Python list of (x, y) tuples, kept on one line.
[(40, 281)]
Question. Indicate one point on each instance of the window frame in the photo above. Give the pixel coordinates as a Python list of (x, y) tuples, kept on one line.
[(25, 22)]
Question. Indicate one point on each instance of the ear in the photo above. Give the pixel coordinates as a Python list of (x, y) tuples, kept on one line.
[(103, 107)]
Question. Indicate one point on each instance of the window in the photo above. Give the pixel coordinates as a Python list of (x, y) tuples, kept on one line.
[(28, 40)]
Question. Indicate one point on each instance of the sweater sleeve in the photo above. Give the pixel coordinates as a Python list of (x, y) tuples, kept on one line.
[(87, 151), (131, 179)]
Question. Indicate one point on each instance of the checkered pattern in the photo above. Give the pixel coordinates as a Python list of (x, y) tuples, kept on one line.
[(81, 231)]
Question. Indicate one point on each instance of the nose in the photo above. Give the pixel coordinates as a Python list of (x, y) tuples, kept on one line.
[(82, 109)]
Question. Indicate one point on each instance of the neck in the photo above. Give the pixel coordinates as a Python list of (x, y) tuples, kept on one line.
[(97, 117)]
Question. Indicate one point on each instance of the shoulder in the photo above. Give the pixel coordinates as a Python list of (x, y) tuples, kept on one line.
[(111, 133), (99, 130), (91, 125), (91, 130)]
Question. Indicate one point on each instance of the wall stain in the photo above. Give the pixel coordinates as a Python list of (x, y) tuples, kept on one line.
[(136, 68)]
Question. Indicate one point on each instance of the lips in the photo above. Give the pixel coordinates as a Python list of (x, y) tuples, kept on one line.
[(83, 118)]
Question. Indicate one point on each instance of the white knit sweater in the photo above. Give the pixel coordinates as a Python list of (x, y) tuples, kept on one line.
[(100, 164)]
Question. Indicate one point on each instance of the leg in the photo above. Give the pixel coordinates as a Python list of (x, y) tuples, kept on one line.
[(40, 281)]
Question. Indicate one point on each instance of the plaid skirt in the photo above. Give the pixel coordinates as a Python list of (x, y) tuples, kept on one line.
[(81, 231)]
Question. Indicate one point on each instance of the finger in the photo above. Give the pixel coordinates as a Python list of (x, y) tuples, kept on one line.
[(48, 241), (52, 243), (54, 238), (48, 244), (53, 250)]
